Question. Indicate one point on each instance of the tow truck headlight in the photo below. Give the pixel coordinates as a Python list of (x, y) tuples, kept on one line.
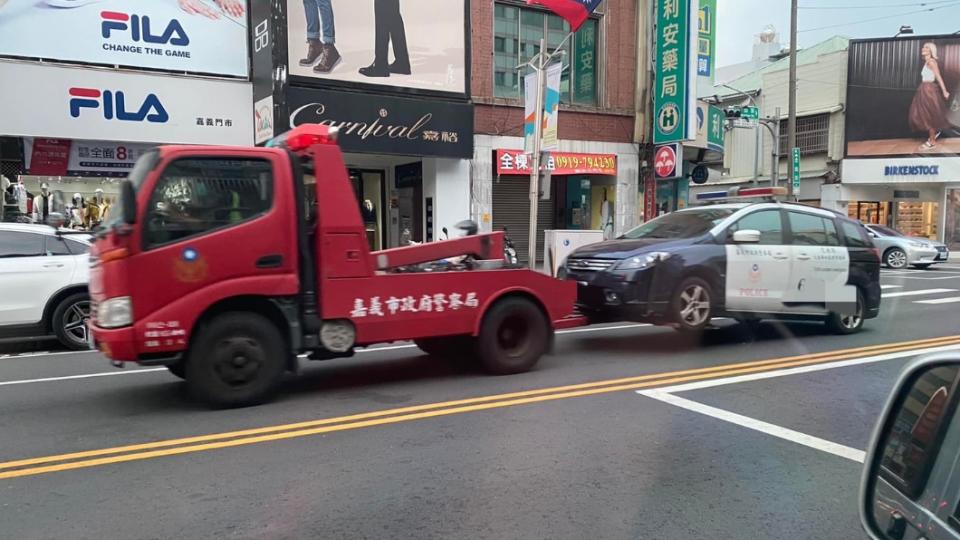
[(115, 312), (643, 261)]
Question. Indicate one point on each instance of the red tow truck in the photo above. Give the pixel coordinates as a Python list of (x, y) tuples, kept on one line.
[(226, 264)]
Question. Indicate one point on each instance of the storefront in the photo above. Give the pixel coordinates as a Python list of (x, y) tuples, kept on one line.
[(918, 196), (591, 186), (90, 137), (406, 133)]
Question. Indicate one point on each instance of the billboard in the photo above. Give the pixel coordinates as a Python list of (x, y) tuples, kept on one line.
[(197, 36), (903, 97), (94, 104), (419, 45)]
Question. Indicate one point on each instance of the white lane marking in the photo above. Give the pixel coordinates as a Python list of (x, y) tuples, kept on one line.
[(87, 376), (885, 287), (757, 425), (939, 301), (804, 369), (31, 355), (917, 293)]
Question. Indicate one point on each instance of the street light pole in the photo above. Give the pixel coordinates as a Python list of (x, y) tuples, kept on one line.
[(756, 129), (792, 119), (539, 67)]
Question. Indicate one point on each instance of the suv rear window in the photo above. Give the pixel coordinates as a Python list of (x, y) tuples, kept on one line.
[(855, 235)]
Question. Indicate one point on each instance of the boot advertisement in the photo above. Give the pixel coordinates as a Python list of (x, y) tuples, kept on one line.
[(420, 45)]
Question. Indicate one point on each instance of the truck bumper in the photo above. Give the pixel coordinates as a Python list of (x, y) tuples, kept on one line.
[(116, 344)]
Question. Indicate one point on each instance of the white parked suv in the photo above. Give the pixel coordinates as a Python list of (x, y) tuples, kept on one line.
[(43, 284)]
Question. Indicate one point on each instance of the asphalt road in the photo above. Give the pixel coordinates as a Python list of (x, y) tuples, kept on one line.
[(625, 432)]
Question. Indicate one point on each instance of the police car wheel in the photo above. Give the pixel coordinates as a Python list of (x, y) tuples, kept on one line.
[(895, 258), (691, 308), (848, 323)]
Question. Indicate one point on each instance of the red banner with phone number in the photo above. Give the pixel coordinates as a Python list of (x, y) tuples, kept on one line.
[(517, 162)]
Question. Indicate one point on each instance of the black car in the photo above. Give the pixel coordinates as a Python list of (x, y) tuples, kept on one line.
[(749, 262)]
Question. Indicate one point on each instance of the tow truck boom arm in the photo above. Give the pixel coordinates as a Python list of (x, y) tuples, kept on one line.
[(482, 246)]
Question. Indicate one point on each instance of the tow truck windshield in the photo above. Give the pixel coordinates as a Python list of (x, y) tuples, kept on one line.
[(138, 174), (685, 224)]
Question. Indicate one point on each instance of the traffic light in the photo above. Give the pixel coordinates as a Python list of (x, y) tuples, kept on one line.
[(733, 112)]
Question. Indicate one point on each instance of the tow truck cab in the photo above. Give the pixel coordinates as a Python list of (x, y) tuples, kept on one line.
[(218, 266)]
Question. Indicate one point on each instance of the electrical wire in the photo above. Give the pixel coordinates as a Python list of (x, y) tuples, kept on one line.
[(864, 21), (880, 6)]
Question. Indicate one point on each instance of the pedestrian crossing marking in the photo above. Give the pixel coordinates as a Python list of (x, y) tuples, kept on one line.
[(917, 293), (936, 301), (885, 287)]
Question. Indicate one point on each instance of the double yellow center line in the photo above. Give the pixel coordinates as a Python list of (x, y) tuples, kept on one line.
[(172, 447)]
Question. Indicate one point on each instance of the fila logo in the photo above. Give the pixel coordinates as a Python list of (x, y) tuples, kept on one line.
[(114, 106), (139, 28)]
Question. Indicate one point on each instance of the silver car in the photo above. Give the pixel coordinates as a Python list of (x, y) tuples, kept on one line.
[(899, 251)]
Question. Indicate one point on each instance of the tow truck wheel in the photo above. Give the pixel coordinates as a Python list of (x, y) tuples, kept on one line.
[(691, 309), (237, 360), (513, 337), (178, 369)]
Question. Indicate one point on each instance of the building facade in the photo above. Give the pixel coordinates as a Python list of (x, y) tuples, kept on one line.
[(901, 165), (395, 84), (75, 118), (593, 179)]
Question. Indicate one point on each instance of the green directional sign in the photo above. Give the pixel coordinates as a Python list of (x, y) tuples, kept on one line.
[(675, 74), (795, 172), (750, 113)]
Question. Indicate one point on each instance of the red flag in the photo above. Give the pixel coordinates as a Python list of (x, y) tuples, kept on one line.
[(574, 11)]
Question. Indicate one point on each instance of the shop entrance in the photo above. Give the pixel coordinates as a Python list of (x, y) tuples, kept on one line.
[(873, 212)]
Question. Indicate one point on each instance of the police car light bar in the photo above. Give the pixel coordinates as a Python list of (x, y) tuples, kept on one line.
[(742, 193)]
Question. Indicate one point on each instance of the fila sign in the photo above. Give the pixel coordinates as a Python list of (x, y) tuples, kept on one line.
[(154, 34), (123, 106), (113, 106)]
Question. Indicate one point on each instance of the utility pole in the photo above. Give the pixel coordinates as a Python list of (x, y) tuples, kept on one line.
[(540, 68), (792, 118)]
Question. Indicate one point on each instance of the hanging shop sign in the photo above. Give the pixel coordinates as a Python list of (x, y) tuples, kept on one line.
[(387, 125), (518, 163), (64, 157), (675, 92)]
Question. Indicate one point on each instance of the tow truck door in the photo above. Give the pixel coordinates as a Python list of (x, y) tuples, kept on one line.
[(757, 274), (211, 226)]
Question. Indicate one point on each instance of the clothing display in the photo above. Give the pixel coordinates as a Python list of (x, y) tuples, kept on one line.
[(43, 206), (929, 108)]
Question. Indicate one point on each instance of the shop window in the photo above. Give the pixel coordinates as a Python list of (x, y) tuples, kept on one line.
[(195, 196), (813, 135), (517, 35), (811, 230)]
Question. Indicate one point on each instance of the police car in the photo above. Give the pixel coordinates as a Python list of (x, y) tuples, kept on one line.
[(745, 260)]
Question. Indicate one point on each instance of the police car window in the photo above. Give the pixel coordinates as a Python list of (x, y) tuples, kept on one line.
[(856, 236), (198, 195), (811, 230), (768, 222), (685, 224), (917, 433)]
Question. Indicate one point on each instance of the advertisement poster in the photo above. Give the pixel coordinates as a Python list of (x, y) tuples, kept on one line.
[(81, 158), (196, 36), (419, 44), (263, 120), (903, 97), (95, 104), (551, 108)]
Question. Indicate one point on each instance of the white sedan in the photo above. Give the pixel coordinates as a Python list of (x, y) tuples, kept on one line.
[(43, 284)]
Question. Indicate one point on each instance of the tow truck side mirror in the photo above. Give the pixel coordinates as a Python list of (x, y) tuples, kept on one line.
[(746, 236), (910, 463), (128, 202)]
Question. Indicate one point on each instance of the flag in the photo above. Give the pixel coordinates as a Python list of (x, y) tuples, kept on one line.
[(574, 11)]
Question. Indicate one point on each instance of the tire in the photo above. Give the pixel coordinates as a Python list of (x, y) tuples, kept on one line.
[(178, 369), (895, 258), (447, 347), (691, 308), (921, 266), (69, 321), (848, 324), (513, 337), (237, 360)]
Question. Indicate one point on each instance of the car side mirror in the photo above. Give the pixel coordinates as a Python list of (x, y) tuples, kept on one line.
[(56, 220), (128, 202), (872, 234), (746, 236), (912, 456)]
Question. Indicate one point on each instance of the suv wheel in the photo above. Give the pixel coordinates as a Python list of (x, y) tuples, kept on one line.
[(69, 322), (848, 323), (691, 309), (895, 258)]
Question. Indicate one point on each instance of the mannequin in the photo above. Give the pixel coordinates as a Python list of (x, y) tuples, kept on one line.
[(42, 204), (94, 212), (75, 212), (606, 216), (368, 212)]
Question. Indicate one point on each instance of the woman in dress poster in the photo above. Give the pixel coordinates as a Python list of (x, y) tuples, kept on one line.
[(928, 112)]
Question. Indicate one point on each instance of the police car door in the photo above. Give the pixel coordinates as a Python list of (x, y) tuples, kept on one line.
[(820, 265), (757, 273)]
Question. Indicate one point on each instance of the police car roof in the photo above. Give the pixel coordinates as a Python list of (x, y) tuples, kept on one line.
[(741, 205)]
